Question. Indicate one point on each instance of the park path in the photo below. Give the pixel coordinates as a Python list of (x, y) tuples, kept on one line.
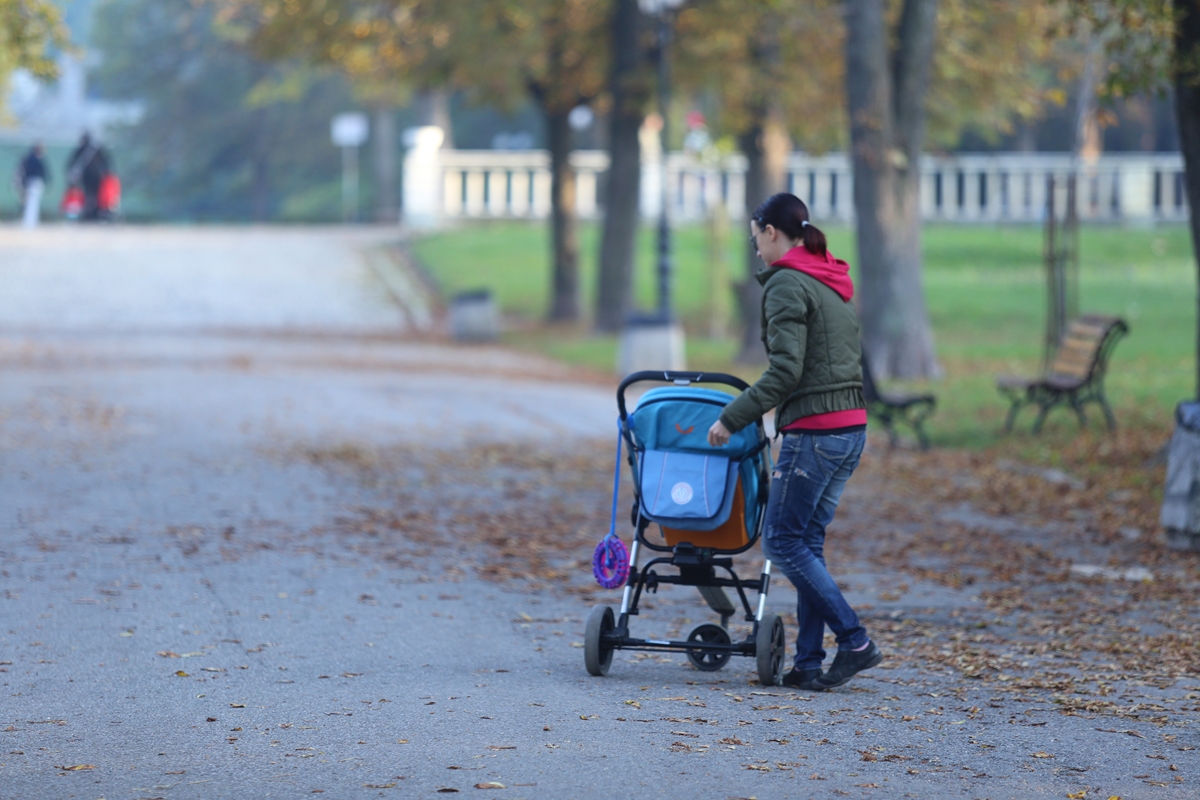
[(262, 534)]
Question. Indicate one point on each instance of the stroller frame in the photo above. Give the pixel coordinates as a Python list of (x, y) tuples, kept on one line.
[(708, 646)]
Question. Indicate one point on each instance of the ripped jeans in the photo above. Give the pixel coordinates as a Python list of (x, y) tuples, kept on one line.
[(806, 485)]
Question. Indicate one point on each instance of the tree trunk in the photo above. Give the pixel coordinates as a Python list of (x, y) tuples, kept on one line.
[(886, 98), (384, 135), (614, 288), (1187, 111), (564, 302), (765, 145)]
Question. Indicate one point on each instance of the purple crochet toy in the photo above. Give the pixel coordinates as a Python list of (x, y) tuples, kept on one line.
[(610, 563)]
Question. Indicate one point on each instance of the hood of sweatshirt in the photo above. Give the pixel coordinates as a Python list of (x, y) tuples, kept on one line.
[(833, 272)]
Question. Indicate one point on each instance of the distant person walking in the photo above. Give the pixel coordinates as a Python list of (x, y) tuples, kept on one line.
[(32, 177), (87, 169)]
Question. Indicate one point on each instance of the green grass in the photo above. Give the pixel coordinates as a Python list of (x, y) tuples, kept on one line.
[(985, 288)]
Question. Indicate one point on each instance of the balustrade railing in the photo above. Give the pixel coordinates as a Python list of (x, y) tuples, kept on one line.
[(443, 185)]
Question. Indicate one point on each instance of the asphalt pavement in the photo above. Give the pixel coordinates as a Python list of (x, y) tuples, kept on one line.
[(192, 607)]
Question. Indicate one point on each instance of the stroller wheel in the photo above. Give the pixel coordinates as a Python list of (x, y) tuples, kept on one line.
[(708, 634), (597, 656), (769, 649)]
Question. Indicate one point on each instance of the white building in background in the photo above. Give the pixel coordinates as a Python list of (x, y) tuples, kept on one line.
[(58, 113)]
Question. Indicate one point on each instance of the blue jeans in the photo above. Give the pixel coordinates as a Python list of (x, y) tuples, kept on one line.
[(805, 488)]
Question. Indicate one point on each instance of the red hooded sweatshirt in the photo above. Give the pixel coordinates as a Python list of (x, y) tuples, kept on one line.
[(834, 273)]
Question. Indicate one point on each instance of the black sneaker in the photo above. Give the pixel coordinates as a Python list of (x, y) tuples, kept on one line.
[(801, 679), (847, 664)]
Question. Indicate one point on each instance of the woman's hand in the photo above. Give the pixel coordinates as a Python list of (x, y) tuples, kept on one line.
[(718, 435)]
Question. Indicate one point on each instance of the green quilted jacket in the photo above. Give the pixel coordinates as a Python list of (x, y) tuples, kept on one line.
[(812, 340)]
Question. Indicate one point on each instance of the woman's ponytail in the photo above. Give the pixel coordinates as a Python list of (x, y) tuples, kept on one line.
[(814, 239)]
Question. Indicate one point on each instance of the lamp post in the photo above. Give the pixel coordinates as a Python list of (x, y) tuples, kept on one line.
[(349, 132), (656, 341), (662, 10)]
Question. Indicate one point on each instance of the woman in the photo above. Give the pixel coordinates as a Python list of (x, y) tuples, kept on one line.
[(814, 381)]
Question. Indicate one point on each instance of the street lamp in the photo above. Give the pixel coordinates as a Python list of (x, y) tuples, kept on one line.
[(663, 10), (349, 132), (656, 341)]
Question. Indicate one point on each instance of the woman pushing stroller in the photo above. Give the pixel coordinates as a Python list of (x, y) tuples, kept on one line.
[(814, 381)]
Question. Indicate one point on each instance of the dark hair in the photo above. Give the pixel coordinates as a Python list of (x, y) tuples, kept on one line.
[(789, 215)]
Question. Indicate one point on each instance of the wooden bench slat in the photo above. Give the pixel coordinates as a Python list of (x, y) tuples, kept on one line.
[(1081, 345), (1072, 366)]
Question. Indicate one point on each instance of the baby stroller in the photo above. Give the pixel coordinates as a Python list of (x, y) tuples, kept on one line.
[(709, 503)]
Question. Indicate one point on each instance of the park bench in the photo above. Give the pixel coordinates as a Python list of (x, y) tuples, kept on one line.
[(892, 407), (1075, 376)]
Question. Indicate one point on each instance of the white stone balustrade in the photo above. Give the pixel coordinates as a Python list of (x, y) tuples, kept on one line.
[(443, 185)]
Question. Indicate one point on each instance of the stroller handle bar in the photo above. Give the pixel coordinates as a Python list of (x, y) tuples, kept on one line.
[(678, 378)]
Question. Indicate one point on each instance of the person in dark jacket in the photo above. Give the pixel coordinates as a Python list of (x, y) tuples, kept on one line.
[(32, 177), (87, 168), (814, 383)]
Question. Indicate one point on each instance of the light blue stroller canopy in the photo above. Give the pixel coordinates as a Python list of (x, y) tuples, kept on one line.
[(684, 482)]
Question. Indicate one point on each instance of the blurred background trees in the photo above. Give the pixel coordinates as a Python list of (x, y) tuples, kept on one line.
[(237, 97), (29, 29), (224, 135)]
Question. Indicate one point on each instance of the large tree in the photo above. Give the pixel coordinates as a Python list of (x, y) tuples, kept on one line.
[(776, 74), (629, 93), (1134, 32), (887, 75), (973, 68), (771, 82), (555, 52)]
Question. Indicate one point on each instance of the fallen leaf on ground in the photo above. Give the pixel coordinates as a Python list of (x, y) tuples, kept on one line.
[(237, 705), (78, 767), (490, 785), (502, 747), (182, 674), (1040, 754), (168, 654)]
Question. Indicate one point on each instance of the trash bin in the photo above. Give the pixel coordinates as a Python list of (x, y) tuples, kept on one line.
[(474, 317), (649, 342), (1181, 495)]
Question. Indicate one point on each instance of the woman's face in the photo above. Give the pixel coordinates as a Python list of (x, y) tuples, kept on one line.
[(770, 242)]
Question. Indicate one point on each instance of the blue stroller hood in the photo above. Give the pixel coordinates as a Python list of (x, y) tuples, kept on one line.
[(669, 418), (683, 481)]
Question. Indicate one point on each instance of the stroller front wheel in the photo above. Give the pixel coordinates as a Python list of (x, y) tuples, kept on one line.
[(597, 656)]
